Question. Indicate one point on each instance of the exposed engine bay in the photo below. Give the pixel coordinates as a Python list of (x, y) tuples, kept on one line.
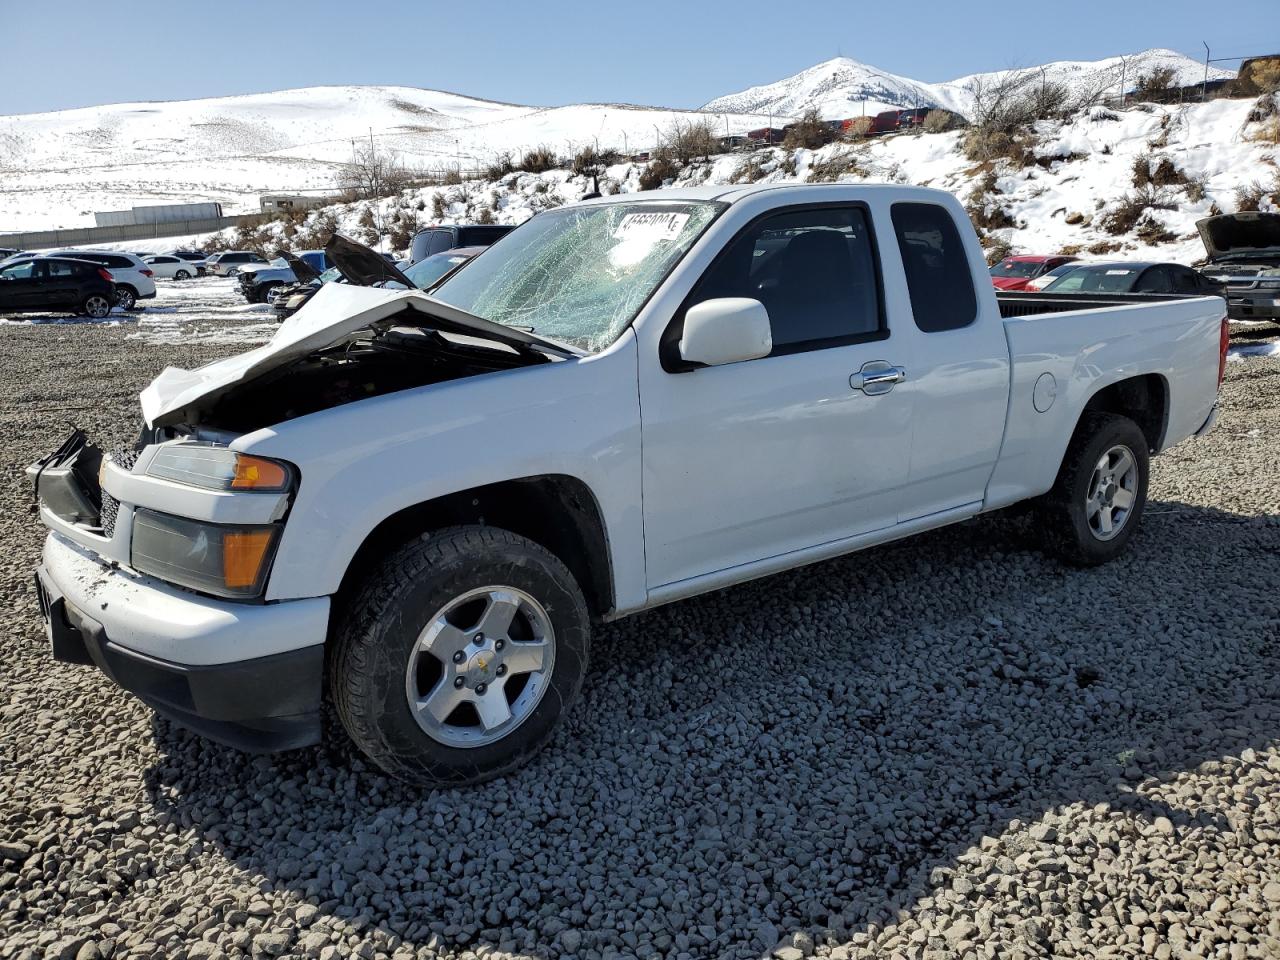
[(370, 364)]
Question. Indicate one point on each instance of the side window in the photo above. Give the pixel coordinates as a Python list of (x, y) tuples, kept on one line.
[(441, 240), (814, 271), (120, 263), (1186, 281), (1154, 280), (19, 271), (59, 268), (937, 267)]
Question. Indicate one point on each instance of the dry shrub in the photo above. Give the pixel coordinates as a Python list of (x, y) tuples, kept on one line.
[(685, 143), (589, 161), (749, 171), (1104, 247), (989, 215), (1151, 231), (1165, 174), (451, 176), (859, 128), (1124, 216), (1154, 83), (809, 132), (439, 205), (658, 172), (997, 250), (1249, 196), (1259, 76), (538, 160), (484, 214), (1267, 132), (940, 121), (502, 165), (1071, 250), (1197, 187), (839, 164)]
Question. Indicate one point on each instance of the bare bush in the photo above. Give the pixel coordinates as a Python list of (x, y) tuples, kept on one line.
[(439, 205), (1249, 196), (1152, 232), (1197, 187), (1154, 83), (940, 121), (372, 173), (997, 250), (657, 173), (859, 128), (809, 132), (685, 143), (539, 160), (749, 171), (591, 161), (1124, 216), (840, 163), (1267, 132), (502, 165)]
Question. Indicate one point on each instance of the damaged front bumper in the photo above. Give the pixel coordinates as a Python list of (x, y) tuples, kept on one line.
[(245, 674)]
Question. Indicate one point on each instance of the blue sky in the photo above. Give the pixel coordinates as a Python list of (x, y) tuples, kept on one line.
[(76, 53)]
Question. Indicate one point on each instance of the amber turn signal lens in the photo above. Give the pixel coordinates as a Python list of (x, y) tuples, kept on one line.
[(242, 555), (255, 473)]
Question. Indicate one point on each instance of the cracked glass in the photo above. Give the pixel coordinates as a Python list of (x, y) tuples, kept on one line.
[(581, 274)]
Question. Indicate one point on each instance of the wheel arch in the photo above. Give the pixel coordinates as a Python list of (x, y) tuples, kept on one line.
[(1144, 399), (557, 511)]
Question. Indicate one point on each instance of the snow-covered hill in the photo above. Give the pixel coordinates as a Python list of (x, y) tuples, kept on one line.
[(842, 88), (57, 168)]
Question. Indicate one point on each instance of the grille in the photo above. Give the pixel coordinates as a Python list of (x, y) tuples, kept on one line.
[(125, 459)]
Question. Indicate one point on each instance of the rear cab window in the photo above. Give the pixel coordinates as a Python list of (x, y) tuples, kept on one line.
[(936, 264)]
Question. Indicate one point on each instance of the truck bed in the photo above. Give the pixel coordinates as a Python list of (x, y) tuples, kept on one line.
[(1019, 304)]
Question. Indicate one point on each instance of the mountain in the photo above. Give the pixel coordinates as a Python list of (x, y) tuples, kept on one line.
[(57, 168), (842, 88)]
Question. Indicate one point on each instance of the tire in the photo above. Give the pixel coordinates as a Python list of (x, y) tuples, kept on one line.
[(1096, 504), (260, 295), (96, 306), (126, 298), (474, 575), (182, 275)]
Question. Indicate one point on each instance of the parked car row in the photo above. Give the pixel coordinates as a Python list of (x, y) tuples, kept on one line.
[(1242, 266)]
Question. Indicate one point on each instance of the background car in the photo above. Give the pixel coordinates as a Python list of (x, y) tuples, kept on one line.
[(196, 258), (1014, 273), (132, 275), (1046, 278), (1244, 256), (168, 267), (426, 273), (449, 236), (289, 299), (258, 281), (225, 263), (41, 284), (1134, 277)]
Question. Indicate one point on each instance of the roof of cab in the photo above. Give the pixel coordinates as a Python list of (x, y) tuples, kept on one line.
[(733, 192)]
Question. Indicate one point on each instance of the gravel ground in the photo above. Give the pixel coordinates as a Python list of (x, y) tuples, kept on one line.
[(951, 747)]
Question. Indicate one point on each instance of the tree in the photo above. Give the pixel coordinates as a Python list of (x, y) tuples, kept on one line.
[(373, 173)]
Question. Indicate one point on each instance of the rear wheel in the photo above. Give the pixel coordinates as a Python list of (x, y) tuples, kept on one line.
[(182, 275), (126, 298), (96, 306), (458, 657), (1096, 504)]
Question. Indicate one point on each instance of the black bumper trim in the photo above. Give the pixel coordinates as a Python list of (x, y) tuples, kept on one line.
[(262, 705)]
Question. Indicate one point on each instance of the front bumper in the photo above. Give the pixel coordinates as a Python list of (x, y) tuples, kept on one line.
[(248, 675), (1254, 306)]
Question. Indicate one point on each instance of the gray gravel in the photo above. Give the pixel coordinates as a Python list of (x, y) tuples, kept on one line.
[(951, 747)]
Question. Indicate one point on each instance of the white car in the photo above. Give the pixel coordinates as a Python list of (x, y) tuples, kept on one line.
[(226, 263), (166, 267), (417, 505), (134, 278)]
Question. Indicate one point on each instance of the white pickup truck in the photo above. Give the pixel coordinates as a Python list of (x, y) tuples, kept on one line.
[(416, 504)]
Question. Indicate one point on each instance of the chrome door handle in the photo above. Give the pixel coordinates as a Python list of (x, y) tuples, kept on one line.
[(877, 377)]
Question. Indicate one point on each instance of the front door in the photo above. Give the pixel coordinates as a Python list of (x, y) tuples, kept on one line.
[(18, 286), (808, 445)]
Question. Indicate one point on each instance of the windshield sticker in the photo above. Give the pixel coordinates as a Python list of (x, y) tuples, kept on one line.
[(650, 226), (1118, 273)]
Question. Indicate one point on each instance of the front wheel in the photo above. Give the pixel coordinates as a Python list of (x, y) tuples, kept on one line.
[(95, 306), (459, 656), (1096, 504), (182, 275)]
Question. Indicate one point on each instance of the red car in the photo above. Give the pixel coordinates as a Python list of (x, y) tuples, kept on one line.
[(1014, 273)]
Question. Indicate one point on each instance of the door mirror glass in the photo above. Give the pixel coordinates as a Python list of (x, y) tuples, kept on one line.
[(727, 330)]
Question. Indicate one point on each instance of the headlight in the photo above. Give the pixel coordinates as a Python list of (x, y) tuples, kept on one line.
[(202, 464), (1269, 282), (227, 561)]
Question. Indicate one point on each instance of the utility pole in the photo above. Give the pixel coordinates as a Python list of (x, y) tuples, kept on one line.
[(625, 151), (1204, 88)]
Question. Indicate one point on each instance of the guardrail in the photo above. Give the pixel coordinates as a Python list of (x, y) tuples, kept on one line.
[(84, 236)]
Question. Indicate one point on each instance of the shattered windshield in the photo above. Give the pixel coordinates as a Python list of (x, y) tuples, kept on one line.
[(579, 275)]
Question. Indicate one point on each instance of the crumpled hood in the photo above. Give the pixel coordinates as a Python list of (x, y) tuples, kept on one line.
[(1234, 233), (336, 312)]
